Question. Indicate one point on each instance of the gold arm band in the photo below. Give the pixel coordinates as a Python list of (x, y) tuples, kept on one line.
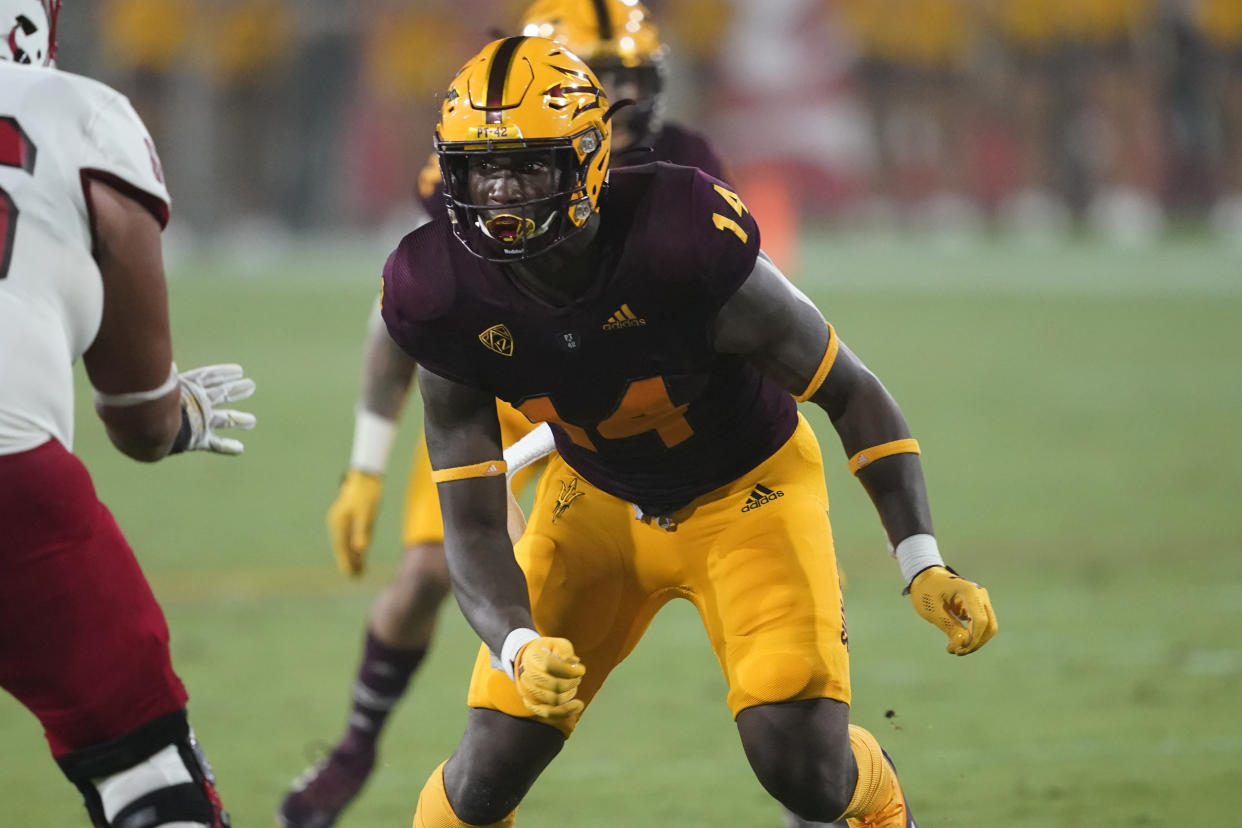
[(488, 468), (868, 456), (825, 365)]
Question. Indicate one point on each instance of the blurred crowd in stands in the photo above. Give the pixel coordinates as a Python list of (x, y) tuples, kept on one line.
[(1117, 117)]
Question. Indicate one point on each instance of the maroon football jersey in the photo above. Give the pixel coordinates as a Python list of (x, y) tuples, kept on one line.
[(641, 404), (673, 143)]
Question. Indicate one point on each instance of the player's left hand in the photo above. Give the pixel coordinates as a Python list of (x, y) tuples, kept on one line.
[(959, 607), (203, 390)]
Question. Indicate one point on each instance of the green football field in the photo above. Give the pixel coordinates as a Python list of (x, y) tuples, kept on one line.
[(1079, 411)]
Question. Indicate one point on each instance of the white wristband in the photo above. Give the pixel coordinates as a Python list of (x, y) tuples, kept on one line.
[(916, 553), (132, 398), (373, 436), (515, 641)]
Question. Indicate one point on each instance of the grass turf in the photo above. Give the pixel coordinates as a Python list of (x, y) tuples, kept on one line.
[(1078, 412)]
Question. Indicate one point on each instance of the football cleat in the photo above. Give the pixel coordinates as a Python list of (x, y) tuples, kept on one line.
[(319, 795), (892, 814)]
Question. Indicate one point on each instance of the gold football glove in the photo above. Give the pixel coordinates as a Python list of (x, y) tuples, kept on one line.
[(959, 607), (350, 518), (547, 674)]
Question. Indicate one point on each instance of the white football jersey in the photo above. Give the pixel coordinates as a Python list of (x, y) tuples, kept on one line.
[(57, 131)]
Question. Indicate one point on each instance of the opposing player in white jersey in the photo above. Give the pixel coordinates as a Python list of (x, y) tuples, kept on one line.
[(83, 643)]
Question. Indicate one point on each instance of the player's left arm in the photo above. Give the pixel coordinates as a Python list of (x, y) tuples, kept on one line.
[(132, 349), (149, 408), (784, 335)]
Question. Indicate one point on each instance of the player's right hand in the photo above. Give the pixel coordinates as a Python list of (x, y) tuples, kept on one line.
[(351, 517), (547, 673), (959, 607)]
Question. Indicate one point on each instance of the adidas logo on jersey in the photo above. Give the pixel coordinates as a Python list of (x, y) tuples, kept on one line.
[(624, 318), (761, 495)]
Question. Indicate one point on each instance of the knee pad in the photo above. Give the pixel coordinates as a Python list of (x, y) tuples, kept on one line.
[(774, 677), (154, 775)]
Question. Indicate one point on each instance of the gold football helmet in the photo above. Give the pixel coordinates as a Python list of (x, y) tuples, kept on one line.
[(598, 30), (523, 100), (620, 43)]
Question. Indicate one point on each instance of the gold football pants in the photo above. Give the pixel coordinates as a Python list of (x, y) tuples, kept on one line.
[(755, 557)]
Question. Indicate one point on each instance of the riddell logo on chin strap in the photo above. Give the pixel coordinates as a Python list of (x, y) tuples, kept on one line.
[(761, 495)]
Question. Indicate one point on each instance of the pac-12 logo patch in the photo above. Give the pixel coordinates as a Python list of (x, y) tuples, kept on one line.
[(569, 341), (497, 338)]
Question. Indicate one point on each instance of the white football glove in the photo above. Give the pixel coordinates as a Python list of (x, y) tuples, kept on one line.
[(202, 390)]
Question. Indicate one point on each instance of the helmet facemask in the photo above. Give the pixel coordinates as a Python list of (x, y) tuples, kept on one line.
[(526, 228)]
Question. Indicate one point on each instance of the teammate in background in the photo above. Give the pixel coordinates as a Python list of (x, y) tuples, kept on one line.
[(913, 81), (85, 645), (619, 40), (1086, 116), (1219, 24), (636, 314), (1118, 124), (1031, 39)]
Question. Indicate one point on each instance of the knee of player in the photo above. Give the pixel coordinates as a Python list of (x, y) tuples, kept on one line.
[(154, 775), (773, 676), (477, 805), (811, 787), (823, 803)]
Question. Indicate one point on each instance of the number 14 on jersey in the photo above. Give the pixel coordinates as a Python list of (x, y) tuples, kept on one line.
[(723, 222)]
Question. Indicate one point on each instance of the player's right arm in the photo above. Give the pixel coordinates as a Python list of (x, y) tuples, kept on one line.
[(387, 374), (463, 441)]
